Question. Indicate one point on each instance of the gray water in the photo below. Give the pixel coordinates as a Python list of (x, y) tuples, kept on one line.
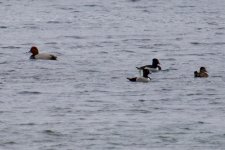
[(84, 101)]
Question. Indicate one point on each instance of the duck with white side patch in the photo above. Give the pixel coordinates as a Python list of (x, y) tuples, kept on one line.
[(154, 67), (144, 78)]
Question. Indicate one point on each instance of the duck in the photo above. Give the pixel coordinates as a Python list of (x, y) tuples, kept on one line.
[(202, 73), (37, 55), (144, 78), (154, 67)]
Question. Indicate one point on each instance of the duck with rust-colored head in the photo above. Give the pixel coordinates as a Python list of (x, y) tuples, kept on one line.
[(155, 66), (202, 73), (144, 78), (37, 55)]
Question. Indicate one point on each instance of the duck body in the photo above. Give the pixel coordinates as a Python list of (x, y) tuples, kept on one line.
[(202, 73), (152, 68), (44, 56), (139, 79)]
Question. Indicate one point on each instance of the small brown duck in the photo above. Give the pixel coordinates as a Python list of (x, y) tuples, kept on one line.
[(202, 73)]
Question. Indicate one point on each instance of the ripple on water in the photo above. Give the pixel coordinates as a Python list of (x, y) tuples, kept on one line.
[(29, 92), (92, 5), (128, 51), (27, 124), (51, 43), (142, 111), (10, 47), (52, 133), (66, 8), (134, 0), (4, 62), (3, 27), (74, 37), (30, 26), (53, 22), (168, 139), (219, 33), (202, 43), (187, 6), (7, 143)]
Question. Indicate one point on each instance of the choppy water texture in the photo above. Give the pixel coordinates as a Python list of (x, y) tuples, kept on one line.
[(83, 100)]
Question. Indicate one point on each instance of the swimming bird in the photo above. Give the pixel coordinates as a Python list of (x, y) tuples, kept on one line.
[(37, 55), (154, 67), (202, 73), (144, 78)]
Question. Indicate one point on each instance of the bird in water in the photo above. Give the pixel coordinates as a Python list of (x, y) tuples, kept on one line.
[(202, 73), (144, 78), (37, 55), (154, 67)]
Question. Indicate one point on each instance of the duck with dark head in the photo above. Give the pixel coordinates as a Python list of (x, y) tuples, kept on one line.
[(144, 78), (37, 55), (155, 66)]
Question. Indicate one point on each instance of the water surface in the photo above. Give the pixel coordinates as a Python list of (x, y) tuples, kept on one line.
[(83, 100)]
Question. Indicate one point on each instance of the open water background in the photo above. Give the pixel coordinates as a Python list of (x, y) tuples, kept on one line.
[(83, 100)]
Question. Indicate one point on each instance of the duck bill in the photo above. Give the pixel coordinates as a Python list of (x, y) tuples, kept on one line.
[(28, 51)]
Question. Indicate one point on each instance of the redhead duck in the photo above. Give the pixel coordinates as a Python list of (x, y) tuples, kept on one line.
[(37, 55), (154, 67), (202, 73), (144, 78)]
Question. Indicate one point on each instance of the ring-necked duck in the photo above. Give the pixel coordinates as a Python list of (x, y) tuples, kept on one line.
[(154, 67), (144, 78)]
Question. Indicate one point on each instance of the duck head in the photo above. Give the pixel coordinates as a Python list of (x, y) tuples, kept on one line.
[(155, 62), (34, 50), (202, 69)]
